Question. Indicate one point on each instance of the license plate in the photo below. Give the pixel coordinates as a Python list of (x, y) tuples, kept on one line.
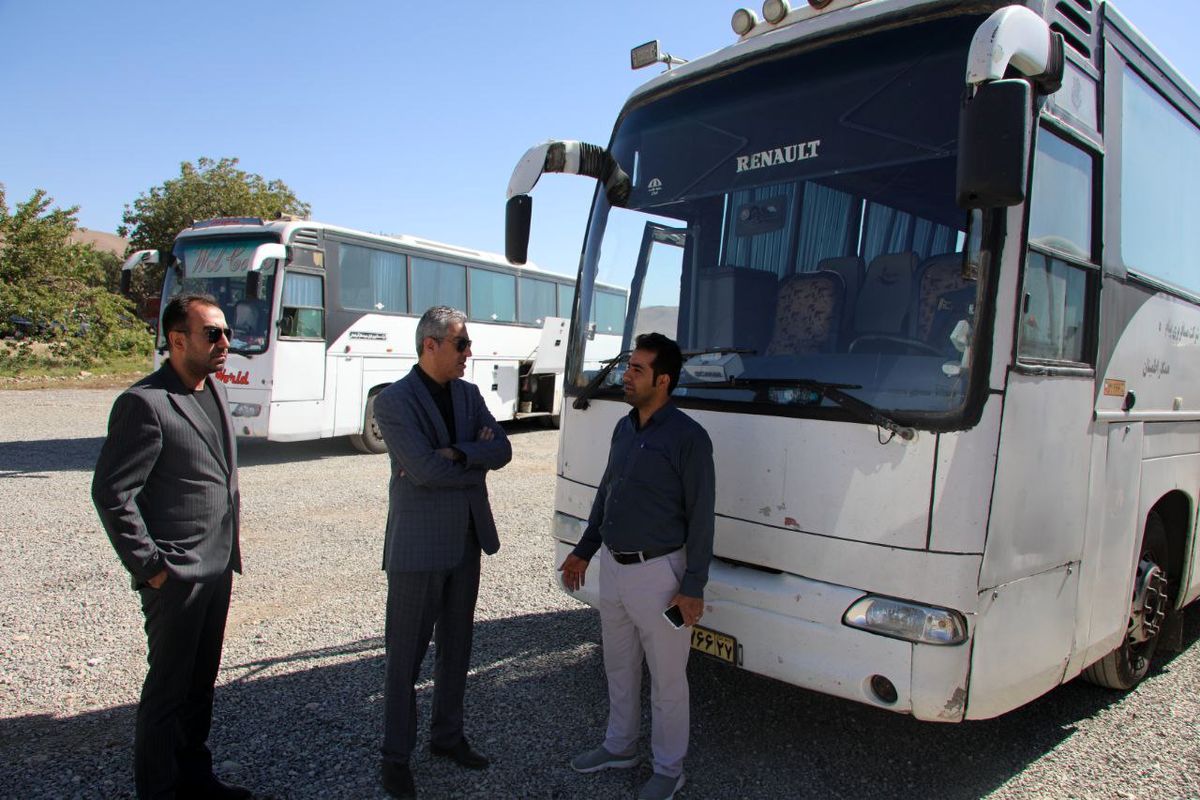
[(718, 645)]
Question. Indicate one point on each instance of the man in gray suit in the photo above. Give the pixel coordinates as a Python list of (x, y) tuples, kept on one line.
[(442, 441), (166, 490)]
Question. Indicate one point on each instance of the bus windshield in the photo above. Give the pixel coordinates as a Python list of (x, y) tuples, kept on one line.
[(218, 267), (794, 225)]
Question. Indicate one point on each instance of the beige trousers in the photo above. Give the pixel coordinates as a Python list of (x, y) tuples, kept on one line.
[(632, 599)]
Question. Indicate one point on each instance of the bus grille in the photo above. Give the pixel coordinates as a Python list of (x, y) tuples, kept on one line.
[(306, 237), (1076, 21)]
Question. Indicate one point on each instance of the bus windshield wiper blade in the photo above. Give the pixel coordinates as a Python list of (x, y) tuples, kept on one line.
[(833, 391), (589, 391), (859, 408), (741, 351)]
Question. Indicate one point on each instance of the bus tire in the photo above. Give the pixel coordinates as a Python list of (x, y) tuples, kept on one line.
[(371, 439), (1125, 666)]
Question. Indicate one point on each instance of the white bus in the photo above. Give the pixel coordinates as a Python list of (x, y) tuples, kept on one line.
[(939, 265), (323, 319)]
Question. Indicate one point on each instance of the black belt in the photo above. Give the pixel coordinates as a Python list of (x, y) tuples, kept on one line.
[(638, 556)]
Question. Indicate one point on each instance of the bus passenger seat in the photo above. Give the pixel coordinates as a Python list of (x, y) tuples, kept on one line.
[(941, 300), (852, 271), (883, 302), (808, 314)]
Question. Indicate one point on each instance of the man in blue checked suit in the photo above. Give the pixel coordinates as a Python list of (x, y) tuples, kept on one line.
[(442, 441)]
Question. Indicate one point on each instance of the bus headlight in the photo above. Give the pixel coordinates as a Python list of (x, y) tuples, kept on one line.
[(909, 621), (245, 409)]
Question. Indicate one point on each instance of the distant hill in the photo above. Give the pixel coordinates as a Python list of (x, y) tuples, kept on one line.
[(104, 242), (660, 319)]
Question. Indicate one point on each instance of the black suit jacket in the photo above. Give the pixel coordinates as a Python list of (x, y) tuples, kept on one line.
[(166, 485)]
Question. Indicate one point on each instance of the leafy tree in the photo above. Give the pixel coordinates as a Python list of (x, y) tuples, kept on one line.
[(56, 306), (203, 190)]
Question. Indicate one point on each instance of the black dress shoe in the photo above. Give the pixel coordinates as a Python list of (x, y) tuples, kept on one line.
[(397, 780), (212, 789), (462, 754)]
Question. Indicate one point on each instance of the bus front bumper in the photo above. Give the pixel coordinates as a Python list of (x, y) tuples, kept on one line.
[(250, 410), (790, 628)]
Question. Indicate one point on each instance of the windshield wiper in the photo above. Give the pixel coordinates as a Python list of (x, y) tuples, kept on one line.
[(589, 391), (833, 391), (741, 351)]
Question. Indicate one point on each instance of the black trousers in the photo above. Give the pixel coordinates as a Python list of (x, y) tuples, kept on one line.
[(415, 602), (185, 628)]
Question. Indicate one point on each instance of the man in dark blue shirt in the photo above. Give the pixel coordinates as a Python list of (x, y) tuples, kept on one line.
[(652, 520)]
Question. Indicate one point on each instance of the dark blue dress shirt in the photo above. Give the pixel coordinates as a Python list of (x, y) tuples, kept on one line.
[(657, 492)]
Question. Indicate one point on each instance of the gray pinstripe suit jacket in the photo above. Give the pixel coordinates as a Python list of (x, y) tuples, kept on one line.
[(431, 499), (165, 492)]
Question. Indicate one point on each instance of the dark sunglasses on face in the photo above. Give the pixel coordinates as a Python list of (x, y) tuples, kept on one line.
[(460, 344), (213, 334)]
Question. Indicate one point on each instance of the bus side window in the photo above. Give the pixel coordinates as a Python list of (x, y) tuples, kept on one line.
[(302, 309), (1055, 312)]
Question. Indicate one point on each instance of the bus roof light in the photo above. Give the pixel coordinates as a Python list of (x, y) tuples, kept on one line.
[(744, 21), (775, 10)]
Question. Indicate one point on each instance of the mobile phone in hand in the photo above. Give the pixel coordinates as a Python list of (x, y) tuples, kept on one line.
[(674, 616)]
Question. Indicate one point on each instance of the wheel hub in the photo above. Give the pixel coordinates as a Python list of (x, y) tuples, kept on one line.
[(1149, 609)]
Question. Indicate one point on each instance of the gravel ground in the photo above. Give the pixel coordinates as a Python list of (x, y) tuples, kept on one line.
[(298, 699)]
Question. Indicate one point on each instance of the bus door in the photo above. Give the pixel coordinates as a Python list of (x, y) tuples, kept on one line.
[(1029, 580), (299, 373), (497, 382), (661, 257)]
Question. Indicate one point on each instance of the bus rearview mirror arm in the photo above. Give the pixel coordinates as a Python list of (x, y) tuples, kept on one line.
[(577, 158), (1013, 54)]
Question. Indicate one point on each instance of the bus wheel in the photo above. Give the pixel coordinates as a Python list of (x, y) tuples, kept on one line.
[(1125, 667), (371, 439)]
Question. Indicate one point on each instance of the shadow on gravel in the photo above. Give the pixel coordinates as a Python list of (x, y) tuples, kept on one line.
[(307, 725), (27, 459)]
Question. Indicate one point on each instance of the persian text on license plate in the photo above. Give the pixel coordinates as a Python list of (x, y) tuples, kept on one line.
[(717, 645)]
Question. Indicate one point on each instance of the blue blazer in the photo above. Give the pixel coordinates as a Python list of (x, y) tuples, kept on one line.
[(431, 499)]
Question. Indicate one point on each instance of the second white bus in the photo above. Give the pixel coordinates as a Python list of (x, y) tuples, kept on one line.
[(323, 319)]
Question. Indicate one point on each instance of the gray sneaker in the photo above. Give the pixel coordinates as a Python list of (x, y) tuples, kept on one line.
[(661, 787), (598, 759)]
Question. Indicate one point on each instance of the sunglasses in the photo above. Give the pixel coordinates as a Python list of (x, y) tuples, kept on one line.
[(460, 344), (213, 334)]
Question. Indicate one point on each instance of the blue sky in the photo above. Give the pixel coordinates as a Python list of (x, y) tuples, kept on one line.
[(392, 117)]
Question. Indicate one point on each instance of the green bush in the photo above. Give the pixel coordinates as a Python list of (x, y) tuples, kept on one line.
[(57, 308)]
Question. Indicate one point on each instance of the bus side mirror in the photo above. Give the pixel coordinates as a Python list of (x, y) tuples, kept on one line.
[(994, 129), (133, 262), (517, 215), (263, 253)]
